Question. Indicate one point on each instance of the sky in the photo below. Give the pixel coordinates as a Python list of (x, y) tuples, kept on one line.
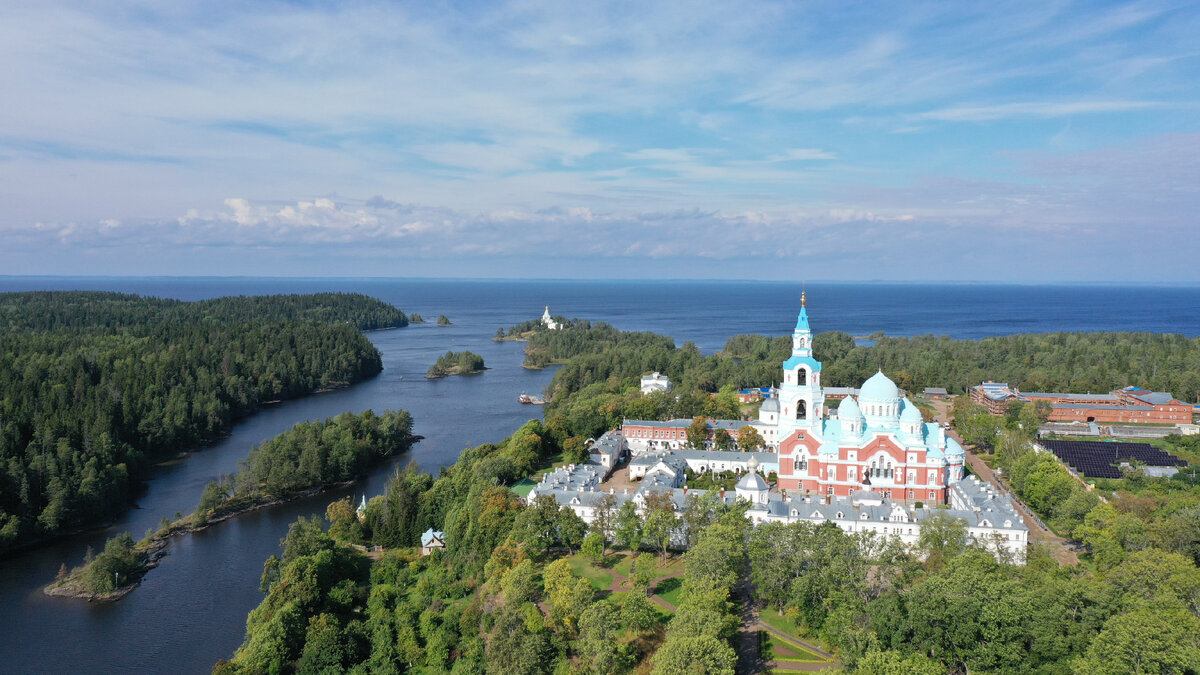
[(969, 141)]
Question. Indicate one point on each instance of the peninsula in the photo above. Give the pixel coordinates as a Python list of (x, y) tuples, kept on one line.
[(305, 460)]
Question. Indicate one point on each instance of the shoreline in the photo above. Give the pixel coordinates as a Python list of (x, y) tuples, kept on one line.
[(169, 460), (151, 555), (455, 374)]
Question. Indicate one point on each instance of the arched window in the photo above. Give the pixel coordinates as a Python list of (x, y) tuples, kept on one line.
[(802, 376), (801, 410)]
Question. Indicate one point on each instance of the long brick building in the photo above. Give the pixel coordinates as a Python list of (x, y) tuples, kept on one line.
[(1130, 405)]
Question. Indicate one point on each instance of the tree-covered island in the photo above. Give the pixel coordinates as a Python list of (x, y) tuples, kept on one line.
[(96, 387), (456, 363)]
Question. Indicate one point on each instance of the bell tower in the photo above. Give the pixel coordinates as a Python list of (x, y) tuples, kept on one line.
[(800, 394)]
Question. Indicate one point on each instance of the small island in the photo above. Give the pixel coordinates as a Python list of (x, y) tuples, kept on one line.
[(443, 320), (415, 318), (456, 363), (112, 574)]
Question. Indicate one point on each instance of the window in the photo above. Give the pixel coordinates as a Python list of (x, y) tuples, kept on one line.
[(801, 410), (801, 376), (931, 493), (829, 490)]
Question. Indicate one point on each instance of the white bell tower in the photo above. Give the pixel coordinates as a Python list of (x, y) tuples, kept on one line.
[(800, 398)]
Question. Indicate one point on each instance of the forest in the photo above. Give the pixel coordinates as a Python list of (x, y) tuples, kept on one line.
[(96, 387), (311, 454), (456, 363), (527, 588)]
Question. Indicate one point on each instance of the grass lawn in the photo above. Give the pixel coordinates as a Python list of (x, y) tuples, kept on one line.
[(669, 566), (781, 623), (786, 650), (669, 590), (598, 577), (523, 487)]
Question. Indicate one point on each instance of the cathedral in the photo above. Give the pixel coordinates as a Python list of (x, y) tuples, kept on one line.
[(878, 442)]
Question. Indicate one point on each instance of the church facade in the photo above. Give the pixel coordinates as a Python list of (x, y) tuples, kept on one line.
[(878, 442)]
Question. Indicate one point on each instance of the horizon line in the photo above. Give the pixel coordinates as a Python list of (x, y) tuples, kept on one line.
[(846, 282)]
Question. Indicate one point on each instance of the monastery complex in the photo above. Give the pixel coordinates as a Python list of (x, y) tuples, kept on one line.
[(876, 466)]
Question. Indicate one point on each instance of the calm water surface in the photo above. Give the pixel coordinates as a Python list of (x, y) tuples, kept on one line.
[(191, 610)]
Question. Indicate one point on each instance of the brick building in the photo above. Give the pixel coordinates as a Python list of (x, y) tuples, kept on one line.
[(1130, 405)]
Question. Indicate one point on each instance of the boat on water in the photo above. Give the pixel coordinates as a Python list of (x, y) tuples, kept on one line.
[(531, 400)]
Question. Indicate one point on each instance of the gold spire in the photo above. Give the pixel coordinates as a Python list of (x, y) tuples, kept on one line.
[(803, 299)]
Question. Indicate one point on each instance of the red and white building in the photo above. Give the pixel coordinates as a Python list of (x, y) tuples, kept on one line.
[(878, 442)]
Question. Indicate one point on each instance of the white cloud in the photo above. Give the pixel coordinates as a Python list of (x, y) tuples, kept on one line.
[(802, 154), (1034, 109)]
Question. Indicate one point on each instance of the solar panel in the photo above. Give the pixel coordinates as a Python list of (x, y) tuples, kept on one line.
[(1097, 459)]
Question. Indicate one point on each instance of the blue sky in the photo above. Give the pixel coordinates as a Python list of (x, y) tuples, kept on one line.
[(1047, 141)]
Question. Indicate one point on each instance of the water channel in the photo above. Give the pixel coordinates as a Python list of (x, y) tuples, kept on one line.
[(191, 610)]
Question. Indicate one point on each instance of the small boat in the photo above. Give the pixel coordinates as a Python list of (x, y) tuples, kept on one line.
[(531, 400)]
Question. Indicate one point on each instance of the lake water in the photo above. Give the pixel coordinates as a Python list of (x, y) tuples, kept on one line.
[(191, 610)]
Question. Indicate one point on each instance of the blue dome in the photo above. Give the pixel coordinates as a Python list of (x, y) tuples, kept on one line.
[(879, 388), (849, 410), (909, 412), (953, 448)]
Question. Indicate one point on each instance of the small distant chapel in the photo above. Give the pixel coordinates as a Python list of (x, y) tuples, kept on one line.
[(548, 322)]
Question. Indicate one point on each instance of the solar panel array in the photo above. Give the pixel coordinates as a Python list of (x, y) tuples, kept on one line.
[(1098, 459)]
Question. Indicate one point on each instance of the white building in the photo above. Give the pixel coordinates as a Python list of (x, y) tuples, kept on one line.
[(549, 322), (702, 461), (991, 519), (655, 382), (607, 451)]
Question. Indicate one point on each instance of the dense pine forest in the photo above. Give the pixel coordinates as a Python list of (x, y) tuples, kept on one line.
[(94, 387)]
